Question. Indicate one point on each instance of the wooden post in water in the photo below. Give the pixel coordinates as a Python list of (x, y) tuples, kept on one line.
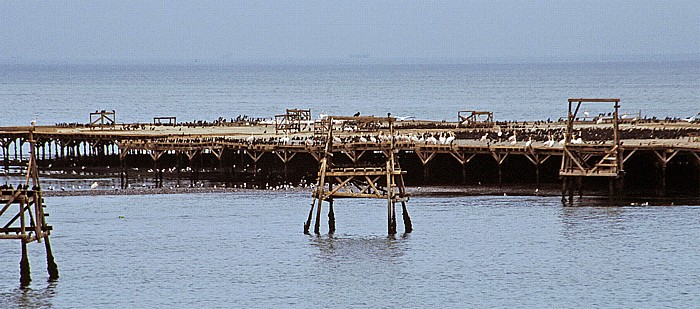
[(331, 217), (30, 202), (359, 181)]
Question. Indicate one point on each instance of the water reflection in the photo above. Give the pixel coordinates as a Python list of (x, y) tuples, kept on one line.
[(593, 221), (28, 297), (378, 248)]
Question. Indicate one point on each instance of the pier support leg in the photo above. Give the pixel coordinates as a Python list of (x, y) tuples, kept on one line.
[(500, 175), (317, 225), (408, 226), (571, 192), (177, 167), (24, 273), (307, 224), (611, 188), (51, 266), (662, 191), (579, 183), (563, 190), (391, 220), (464, 173), (331, 218)]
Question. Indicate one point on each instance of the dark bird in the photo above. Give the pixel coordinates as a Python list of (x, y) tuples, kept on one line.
[(357, 114)]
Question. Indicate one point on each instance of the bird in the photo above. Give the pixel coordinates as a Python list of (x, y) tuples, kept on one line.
[(94, 185), (357, 114)]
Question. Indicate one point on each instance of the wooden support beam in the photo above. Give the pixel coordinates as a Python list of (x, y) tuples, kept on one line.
[(664, 156), (217, 152), (696, 155), (285, 156), (627, 156), (191, 154), (155, 154), (499, 157), (425, 158), (255, 155)]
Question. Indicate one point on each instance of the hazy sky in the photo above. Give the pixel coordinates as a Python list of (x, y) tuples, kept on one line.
[(318, 31)]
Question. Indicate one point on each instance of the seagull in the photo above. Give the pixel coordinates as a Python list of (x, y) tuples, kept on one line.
[(94, 185), (691, 119)]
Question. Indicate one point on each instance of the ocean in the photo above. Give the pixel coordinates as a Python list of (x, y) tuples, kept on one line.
[(65, 94), (246, 249)]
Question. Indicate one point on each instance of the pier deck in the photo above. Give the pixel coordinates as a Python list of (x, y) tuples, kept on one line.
[(423, 141)]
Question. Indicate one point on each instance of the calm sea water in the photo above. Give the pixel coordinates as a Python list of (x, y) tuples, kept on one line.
[(248, 250), (55, 94)]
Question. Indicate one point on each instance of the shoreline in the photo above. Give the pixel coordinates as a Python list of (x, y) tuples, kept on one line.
[(415, 192)]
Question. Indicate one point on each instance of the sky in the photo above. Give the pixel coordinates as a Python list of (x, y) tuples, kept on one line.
[(346, 31)]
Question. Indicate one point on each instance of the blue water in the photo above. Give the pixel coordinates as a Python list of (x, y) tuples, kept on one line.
[(55, 94), (248, 250)]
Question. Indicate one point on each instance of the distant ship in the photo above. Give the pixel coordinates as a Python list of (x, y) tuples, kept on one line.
[(359, 56)]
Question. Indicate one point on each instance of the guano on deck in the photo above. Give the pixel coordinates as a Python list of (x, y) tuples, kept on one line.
[(430, 151)]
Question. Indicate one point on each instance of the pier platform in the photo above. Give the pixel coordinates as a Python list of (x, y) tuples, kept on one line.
[(658, 155)]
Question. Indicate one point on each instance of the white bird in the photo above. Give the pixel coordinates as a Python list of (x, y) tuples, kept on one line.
[(94, 185), (529, 142), (691, 119)]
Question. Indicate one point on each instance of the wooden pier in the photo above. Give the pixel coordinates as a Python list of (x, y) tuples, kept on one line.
[(650, 155), (381, 181), (28, 224)]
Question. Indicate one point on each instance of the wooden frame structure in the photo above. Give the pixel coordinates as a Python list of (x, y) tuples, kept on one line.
[(383, 182), (28, 224), (103, 119), (171, 121), (590, 160), (475, 118), (292, 120)]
